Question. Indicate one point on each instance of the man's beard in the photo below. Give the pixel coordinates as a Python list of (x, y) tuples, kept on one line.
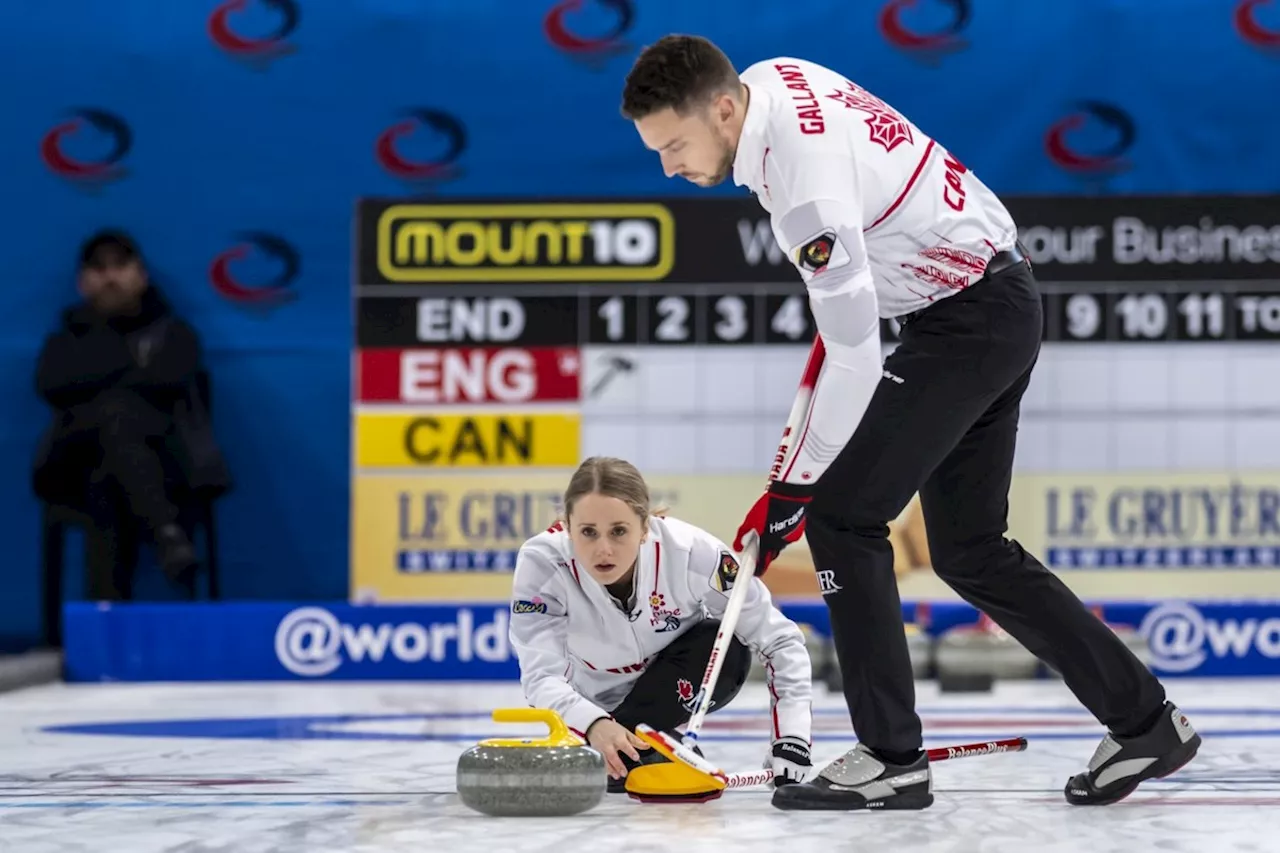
[(115, 302), (722, 170)]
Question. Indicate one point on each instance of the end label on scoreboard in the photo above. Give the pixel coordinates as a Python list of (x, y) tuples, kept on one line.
[(470, 375)]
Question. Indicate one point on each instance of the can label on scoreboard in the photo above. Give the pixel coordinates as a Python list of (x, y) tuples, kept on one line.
[(477, 439), (503, 375)]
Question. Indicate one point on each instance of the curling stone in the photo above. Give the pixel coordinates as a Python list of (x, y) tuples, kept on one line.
[(820, 657), (919, 647), (1130, 637), (553, 776), (973, 657), (1137, 643)]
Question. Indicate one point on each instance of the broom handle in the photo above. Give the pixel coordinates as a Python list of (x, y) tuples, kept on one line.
[(791, 435), (991, 747)]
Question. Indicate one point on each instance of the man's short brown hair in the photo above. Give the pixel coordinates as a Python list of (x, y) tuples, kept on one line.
[(679, 72)]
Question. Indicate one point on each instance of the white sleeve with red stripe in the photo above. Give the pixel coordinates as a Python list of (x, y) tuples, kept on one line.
[(777, 640), (821, 231), (539, 635)]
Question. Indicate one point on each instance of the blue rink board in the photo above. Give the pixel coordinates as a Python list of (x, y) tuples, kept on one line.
[(272, 641)]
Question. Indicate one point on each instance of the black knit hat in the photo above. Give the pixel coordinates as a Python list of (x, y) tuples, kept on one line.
[(107, 244)]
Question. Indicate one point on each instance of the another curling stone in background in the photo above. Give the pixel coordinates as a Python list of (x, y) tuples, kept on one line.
[(553, 776), (1129, 635), (973, 657), (821, 652), (820, 656), (919, 646), (1135, 641)]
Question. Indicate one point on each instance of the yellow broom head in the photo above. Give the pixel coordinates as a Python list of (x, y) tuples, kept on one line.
[(671, 781)]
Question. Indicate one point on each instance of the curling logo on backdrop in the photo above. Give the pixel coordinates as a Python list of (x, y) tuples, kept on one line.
[(108, 139)]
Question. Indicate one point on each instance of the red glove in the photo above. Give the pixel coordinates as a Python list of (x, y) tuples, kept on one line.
[(777, 519)]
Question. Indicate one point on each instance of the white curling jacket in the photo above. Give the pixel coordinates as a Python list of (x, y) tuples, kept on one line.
[(580, 654), (877, 218)]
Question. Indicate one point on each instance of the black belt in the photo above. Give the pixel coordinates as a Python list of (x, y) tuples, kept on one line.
[(1007, 259), (1000, 262)]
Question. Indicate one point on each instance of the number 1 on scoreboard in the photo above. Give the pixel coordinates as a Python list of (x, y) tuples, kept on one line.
[(613, 320)]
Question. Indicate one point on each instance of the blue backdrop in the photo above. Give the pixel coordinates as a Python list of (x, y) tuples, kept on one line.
[(234, 137)]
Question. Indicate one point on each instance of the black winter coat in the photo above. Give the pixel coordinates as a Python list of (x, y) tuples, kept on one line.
[(155, 355)]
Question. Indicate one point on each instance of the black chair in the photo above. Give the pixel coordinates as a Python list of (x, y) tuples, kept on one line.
[(56, 520)]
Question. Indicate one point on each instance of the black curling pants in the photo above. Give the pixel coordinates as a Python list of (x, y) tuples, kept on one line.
[(942, 423), (661, 696)]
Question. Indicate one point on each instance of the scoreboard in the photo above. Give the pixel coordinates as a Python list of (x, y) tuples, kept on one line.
[(691, 272), (498, 343)]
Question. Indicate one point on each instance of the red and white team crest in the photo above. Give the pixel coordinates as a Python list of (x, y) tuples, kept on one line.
[(684, 689), (887, 127)]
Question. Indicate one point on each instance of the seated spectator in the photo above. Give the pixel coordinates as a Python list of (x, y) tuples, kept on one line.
[(131, 445)]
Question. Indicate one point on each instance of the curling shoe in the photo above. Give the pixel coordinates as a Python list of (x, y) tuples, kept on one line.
[(861, 780), (1120, 764)]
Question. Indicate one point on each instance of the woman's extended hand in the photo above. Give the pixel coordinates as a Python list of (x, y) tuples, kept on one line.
[(609, 739)]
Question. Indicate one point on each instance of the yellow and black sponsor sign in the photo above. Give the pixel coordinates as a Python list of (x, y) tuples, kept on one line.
[(463, 440), (432, 243)]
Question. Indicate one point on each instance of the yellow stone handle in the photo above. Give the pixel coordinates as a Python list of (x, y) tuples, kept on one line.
[(558, 736)]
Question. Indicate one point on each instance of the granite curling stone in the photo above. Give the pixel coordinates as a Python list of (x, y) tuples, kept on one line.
[(982, 651), (554, 776), (820, 656), (919, 647)]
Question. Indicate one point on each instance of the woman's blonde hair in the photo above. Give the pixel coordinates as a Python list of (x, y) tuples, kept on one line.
[(613, 478)]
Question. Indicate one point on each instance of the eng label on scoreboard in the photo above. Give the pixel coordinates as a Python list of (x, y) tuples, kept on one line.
[(466, 440), (474, 375)]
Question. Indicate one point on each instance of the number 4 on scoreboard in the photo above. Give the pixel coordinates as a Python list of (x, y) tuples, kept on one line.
[(790, 320)]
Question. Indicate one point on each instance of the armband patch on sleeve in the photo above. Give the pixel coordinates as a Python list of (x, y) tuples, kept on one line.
[(816, 254), (726, 573), (823, 251)]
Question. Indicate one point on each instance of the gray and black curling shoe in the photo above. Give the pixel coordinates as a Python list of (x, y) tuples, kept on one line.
[(861, 780)]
